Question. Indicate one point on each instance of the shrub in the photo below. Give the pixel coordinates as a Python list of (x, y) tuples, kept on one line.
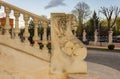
[(49, 45), (41, 45), (111, 46)]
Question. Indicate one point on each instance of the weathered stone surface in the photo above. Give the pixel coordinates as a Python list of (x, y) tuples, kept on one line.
[(68, 52), (17, 45), (17, 65)]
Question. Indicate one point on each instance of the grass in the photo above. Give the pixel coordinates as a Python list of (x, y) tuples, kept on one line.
[(104, 49)]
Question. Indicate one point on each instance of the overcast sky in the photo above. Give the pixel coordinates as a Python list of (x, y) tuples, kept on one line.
[(45, 7)]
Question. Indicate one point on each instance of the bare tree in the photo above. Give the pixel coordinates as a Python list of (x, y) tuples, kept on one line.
[(82, 11), (110, 13)]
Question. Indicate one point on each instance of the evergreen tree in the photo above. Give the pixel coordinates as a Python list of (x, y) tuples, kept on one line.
[(92, 25)]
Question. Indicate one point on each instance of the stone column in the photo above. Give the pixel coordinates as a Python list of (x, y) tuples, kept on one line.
[(16, 14), (36, 38), (95, 37), (110, 36), (26, 33), (7, 24), (45, 36), (84, 35)]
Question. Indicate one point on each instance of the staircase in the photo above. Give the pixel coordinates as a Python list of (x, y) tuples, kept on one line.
[(24, 46), (20, 60)]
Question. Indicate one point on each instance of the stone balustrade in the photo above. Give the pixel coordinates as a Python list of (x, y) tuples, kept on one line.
[(26, 17)]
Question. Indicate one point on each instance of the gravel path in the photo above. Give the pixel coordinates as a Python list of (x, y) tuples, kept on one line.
[(110, 59)]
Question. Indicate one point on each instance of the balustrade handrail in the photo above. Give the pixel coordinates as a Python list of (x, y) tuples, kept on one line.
[(12, 7)]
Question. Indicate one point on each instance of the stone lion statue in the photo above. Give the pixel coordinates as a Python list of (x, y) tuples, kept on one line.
[(68, 52)]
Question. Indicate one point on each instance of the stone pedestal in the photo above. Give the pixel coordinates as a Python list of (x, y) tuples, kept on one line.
[(95, 37), (110, 37)]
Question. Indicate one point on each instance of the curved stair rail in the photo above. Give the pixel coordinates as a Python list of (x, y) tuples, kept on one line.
[(26, 17), (14, 44)]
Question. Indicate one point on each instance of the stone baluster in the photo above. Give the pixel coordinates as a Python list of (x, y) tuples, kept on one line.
[(36, 38), (16, 14), (7, 24), (45, 36), (26, 33)]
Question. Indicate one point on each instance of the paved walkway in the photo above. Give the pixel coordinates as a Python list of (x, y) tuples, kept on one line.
[(110, 59)]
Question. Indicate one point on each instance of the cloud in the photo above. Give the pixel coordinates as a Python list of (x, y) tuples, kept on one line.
[(55, 3)]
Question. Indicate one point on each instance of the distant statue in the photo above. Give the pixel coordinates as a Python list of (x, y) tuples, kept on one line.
[(84, 35)]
